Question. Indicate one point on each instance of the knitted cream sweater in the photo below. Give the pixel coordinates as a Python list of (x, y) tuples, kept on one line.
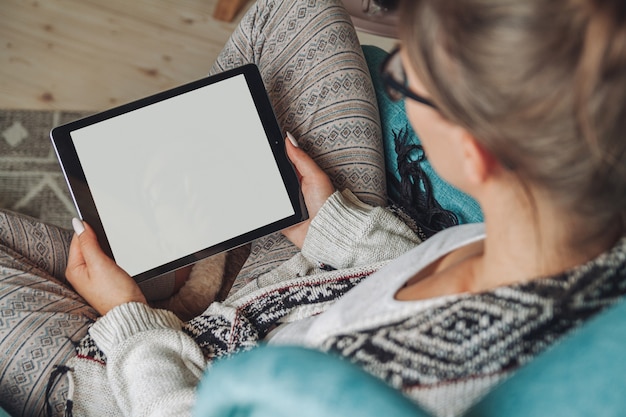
[(139, 361)]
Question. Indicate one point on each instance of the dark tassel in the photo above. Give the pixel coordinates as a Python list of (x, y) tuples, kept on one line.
[(68, 408), (57, 371), (414, 190)]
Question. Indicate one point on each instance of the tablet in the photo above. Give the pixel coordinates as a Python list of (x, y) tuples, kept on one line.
[(181, 175)]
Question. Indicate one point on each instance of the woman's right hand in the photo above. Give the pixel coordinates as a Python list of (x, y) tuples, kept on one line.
[(95, 276), (316, 188)]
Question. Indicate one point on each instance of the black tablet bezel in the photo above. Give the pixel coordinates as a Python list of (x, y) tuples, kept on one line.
[(83, 199)]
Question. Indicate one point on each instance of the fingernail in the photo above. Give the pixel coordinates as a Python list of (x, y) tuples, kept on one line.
[(78, 226), (293, 140)]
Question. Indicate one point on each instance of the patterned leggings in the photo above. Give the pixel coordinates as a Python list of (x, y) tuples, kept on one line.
[(315, 73)]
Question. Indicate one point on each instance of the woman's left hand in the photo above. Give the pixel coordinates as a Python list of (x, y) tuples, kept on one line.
[(95, 276), (316, 189)]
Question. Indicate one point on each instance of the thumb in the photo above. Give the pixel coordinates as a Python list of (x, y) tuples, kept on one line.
[(88, 242), (304, 164)]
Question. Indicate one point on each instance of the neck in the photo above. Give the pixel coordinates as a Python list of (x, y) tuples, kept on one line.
[(529, 241)]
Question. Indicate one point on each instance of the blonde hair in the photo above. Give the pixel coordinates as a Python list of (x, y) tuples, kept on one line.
[(541, 84)]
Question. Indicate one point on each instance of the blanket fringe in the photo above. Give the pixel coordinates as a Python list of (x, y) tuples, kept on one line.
[(57, 372), (414, 192)]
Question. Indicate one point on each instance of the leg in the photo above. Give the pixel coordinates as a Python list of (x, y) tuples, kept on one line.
[(39, 315), (320, 87)]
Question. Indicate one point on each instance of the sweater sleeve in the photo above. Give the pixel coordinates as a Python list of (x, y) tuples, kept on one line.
[(153, 367), (347, 232)]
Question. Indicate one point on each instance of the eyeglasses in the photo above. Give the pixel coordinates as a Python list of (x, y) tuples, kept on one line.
[(395, 81)]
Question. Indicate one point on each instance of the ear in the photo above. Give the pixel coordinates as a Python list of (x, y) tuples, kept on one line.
[(478, 163)]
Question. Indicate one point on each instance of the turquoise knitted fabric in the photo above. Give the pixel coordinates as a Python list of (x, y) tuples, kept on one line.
[(393, 119)]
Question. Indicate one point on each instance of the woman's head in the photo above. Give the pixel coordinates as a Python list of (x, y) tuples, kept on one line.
[(540, 84)]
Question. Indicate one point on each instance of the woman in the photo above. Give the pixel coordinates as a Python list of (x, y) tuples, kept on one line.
[(518, 104)]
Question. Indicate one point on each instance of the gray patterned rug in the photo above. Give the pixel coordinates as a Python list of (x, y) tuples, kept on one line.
[(31, 181)]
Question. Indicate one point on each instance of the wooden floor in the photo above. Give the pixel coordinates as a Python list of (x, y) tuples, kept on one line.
[(96, 54)]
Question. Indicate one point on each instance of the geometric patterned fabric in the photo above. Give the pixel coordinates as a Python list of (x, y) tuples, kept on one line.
[(31, 181)]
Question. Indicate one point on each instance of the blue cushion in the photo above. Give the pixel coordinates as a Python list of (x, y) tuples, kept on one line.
[(584, 375), (4, 413), (393, 119), (273, 381)]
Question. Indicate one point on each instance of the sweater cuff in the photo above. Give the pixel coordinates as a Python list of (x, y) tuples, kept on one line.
[(340, 222), (128, 319)]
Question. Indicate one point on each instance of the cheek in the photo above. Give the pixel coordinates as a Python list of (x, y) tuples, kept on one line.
[(419, 121)]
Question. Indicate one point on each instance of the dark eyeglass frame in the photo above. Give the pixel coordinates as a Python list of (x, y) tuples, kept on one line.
[(398, 89)]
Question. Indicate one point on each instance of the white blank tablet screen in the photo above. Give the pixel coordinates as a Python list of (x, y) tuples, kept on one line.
[(182, 175)]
